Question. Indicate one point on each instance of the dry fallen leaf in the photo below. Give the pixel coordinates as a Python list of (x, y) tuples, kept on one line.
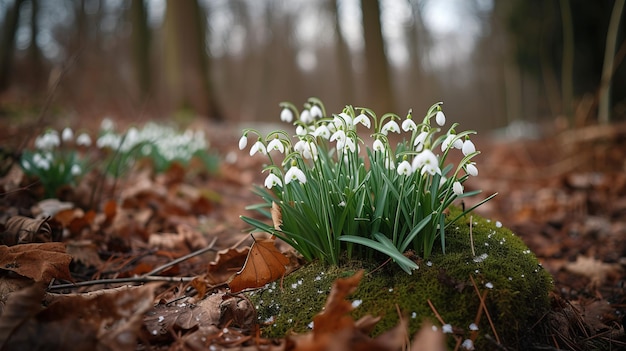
[(597, 271), (277, 216), (24, 230), (334, 315), (40, 262), (263, 265)]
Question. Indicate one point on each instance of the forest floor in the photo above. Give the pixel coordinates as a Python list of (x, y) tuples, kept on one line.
[(564, 194)]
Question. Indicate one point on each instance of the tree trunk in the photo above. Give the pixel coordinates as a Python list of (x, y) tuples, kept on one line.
[(186, 61), (7, 43), (604, 114), (344, 59), (141, 46), (378, 81)]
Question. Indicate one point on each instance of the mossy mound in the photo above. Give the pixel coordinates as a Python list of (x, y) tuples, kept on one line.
[(516, 288)]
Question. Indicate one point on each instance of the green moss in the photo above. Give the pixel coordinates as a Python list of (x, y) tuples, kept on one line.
[(517, 300)]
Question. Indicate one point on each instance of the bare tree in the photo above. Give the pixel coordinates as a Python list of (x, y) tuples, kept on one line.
[(7, 43), (378, 81), (141, 45), (186, 61)]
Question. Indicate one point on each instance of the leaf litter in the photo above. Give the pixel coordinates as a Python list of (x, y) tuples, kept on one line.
[(118, 269)]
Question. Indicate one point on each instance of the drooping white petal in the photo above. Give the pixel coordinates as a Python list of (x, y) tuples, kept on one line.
[(363, 119), (391, 126), (83, 139), (440, 118), (378, 146), (471, 169), (404, 168), (276, 144), (322, 131), (408, 125), (258, 147), (419, 141), (286, 115), (468, 147), (339, 135), (457, 188), (243, 142), (294, 173), (316, 112), (306, 117), (67, 134), (272, 180)]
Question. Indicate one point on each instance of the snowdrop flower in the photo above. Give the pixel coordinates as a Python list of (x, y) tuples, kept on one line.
[(391, 126), (243, 142), (76, 170), (306, 117), (440, 118), (306, 149), (408, 125), (322, 131), (83, 139), (343, 120), (286, 115), (301, 131), (471, 169), (294, 173), (419, 141), (340, 136), (446, 329), (348, 145), (363, 119), (404, 168), (316, 112), (378, 146), (457, 144), (272, 180), (276, 144), (67, 134), (48, 141), (427, 162), (468, 344), (107, 124), (258, 147), (468, 147), (457, 188)]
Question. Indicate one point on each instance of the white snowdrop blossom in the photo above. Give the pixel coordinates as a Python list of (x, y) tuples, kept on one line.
[(457, 188), (308, 150), (343, 121), (301, 131), (348, 145), (322, 131), (276, 144), (457, 144), (389, 164), (427, 162), (67, 134), (404, 168), (295, 173), (316, 112), (440, 118), (286, 115), (419, 141), (107, 124), (446, 329), (48, 141), (471, 169), (258, 147), (468, 147), (473, 327), (340, 136), (391, 126), (272, 180), (306, 117), (243, 142), (362, 119), (76, 170), (83, 139), (378, 146), (408, 125)]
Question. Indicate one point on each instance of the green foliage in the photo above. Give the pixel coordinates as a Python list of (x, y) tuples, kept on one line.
[(517, 299), (335, 202)]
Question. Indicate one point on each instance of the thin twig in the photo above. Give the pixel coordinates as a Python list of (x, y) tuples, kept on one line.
[(484, 307), (148, 277)]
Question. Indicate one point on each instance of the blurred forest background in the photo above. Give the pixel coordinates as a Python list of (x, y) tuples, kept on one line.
[(492, 62)]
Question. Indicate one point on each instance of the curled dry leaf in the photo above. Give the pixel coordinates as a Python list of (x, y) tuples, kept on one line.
[(334, 315), (277, 216), (40, 262), (263, 265), (24, 230)]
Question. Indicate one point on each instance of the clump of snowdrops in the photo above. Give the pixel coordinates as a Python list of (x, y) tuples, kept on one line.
[(57, 160), (60, 159), (340, 197)]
